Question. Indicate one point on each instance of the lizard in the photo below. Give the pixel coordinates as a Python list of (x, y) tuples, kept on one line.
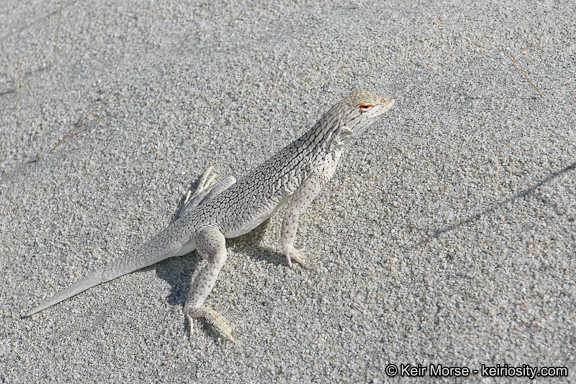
[(230, 208)]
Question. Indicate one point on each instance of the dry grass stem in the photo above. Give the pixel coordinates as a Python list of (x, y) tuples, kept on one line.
[(521, 71), (18, 82), (81, 121), (58, 32)]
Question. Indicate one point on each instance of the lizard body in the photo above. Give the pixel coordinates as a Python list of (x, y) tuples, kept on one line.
[(228, 209)]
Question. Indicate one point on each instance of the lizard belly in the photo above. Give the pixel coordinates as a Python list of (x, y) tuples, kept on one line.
[(186, 248), (248, 226)]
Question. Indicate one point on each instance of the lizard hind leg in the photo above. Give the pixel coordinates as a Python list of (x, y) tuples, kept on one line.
[(206, 190), (211, 244)]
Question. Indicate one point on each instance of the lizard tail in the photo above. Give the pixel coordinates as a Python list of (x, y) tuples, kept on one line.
[(159, 248)]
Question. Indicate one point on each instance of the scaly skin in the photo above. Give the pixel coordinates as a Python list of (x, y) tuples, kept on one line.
[(229, 209)]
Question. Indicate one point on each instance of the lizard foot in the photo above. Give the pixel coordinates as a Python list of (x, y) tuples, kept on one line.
[(206, 180), (293, 254), (213, 318)]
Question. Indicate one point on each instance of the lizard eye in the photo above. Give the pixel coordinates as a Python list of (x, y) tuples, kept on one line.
[(364, 107)]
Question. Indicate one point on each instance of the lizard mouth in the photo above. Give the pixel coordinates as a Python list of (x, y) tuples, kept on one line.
[(384, 107)]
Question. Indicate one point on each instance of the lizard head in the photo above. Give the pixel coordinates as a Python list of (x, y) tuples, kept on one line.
[(358, 111), (368, 105)]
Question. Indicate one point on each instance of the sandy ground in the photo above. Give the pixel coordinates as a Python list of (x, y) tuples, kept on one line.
[(446, 237)]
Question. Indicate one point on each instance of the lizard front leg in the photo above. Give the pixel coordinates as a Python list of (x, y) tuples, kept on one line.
[(211, 244), (300, 200)]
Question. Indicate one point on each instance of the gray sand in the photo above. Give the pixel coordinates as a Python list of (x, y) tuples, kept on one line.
[(448, 235)]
